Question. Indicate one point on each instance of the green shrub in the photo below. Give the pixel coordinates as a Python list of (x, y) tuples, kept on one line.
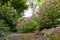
[(17, 4), (49, 14), (10, 11), (4, 28), (2, 23), (4, 31), (9, 15), (30, 26)]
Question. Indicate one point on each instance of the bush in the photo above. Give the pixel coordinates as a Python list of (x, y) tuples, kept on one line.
[(29, 26), (9, 15), (2, 23), (10, 11), (49, 13), (4, 31)]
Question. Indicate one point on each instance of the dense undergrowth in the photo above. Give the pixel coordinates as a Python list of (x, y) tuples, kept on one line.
[(50, 14), (11, 11)]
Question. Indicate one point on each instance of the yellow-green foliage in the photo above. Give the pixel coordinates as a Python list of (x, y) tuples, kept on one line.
[(49, 12), (29, 26)]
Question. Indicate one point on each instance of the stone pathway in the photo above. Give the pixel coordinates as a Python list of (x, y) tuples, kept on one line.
[(26, 37)]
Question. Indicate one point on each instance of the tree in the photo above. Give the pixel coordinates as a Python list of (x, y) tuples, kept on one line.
[(10, 11)]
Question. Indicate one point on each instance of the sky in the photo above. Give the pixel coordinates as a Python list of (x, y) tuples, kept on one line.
[(28, 13)]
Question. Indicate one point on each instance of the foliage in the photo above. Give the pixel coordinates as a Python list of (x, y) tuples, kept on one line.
[(10, 11), (30, 26), (2, 23), (49, 13), (3, 28), (4, 31), (17, 4), (40, 2), (9, 15)]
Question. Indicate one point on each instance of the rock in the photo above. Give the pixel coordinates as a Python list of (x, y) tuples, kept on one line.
[(48, 38), (51, 33), (26, 37), (47, 32), (57, 32)]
